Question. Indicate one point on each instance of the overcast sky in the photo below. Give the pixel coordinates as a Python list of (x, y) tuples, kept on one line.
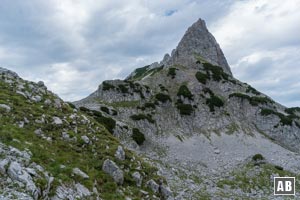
[(73, 45)]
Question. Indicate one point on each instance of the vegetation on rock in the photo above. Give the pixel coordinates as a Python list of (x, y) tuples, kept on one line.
[(185, 92), (138, 136)]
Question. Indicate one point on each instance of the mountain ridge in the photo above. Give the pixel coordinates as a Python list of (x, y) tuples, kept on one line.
[(192, 98)]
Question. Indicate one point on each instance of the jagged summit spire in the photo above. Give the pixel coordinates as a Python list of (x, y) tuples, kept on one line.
[(197, 40)]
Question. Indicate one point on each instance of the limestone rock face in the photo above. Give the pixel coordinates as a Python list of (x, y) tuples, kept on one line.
[(197, 40)]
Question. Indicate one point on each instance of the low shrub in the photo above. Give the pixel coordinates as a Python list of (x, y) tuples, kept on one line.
[(185, 109), (138, 136), (252, 90), (257, 157), (104, 109), (142, 117), (71, 105), (107, 86), (172, 72), (201, 77), (217, 72), (185, 92), (214, 101), (162, 97), (123, 88), (254, 101), (278, 167), (284, 120)]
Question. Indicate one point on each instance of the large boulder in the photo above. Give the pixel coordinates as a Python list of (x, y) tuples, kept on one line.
[(5, 107), (120, 153), (111, 168)]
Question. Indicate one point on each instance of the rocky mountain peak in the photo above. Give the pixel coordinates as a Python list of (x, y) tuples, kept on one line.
[(198, 41)]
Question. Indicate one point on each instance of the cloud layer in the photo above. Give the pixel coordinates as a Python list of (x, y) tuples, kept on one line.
[(74, 45)]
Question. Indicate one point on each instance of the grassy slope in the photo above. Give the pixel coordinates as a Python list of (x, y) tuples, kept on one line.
[(52, 154)]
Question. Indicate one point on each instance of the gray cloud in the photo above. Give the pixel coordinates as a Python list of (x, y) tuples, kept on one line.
[(74, 45)]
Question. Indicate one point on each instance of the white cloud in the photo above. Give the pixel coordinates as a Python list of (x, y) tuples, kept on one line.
[(262, 44), (74, 45)]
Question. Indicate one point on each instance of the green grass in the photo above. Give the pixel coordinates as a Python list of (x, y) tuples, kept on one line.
[(142, 72), (139, 72), (52, 154), (249, 177)]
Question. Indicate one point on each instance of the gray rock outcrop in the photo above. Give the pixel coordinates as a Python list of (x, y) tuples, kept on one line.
[(111, 168)]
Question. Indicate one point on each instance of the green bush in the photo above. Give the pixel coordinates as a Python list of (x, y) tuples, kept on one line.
[(114, 112), (201, 77), (266, 112), (185, 109), (107, 122), (217, 72), (254, 101), (84, 109), (142, 117), (71, 105), (163, 88), (162, 97), (172, 72), (292, 110), (123, 88), (185, 92), (284, 120), (252, 90), (278, 167), (213, 102), (104, 109), (207, 90), (149, 105), (107, 86), (257, 157), (138, 136)]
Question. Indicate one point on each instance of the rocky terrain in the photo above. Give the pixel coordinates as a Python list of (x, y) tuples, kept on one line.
[(51, 150), (210, 135)]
